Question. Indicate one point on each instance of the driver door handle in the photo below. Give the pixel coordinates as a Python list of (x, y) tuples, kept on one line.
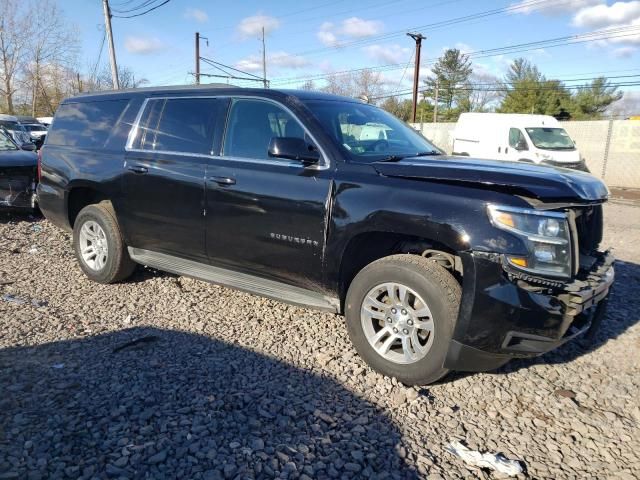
[(223, 180), (138, 169)]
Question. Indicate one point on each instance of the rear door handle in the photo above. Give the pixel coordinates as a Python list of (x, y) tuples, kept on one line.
[(138, 169), (223, 180)]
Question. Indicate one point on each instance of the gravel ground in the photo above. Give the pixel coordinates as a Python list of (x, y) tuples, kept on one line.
[(168, 377)]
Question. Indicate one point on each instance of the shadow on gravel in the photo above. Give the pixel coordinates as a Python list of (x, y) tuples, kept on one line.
[(150, 403), (8, 216)]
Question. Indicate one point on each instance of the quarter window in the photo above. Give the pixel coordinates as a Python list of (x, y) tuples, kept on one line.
[(85, 124), (253, 123), (184, 125)]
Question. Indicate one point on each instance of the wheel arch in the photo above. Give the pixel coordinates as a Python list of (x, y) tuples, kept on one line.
[(367, 247), (80, 194)]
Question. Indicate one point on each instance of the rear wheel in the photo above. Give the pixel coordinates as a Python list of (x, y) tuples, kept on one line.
[(401, 311), (99, 246)]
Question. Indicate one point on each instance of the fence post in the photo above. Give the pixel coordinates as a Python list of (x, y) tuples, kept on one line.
[(606, 148)]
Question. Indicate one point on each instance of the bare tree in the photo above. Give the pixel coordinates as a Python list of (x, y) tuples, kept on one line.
[(309, 85), (14, 39), (363, 83), (53, 45), (126, 76)]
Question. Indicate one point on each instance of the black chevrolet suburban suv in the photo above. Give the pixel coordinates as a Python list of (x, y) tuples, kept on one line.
[(438, 263)]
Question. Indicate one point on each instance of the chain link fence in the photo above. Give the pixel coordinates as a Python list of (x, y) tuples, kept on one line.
[(611, 148)]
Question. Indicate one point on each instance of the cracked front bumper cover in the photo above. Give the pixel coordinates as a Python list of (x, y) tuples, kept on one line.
[(504, 317)]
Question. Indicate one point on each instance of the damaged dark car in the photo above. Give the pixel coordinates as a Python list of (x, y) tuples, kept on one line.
[(437, 263), (18, 175)]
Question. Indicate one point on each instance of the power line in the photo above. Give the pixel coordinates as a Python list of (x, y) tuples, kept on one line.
[(433, 25), (145, 12), (519, 48), (480, 88), (144, 4)]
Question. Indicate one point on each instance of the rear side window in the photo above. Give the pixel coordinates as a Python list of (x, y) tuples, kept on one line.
[(182, 125), (87, 124)]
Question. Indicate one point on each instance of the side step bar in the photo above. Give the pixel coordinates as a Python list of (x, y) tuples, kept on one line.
[(241, 281)]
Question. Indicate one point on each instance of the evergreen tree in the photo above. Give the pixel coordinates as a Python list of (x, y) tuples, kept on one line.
[(591, 101), (450, 73)]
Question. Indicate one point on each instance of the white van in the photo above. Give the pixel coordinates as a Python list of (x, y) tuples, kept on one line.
[(536, 139)]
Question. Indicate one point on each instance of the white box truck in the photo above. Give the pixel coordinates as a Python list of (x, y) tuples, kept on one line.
[(515, 137)]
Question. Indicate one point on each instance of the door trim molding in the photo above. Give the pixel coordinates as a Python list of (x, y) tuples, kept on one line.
[(240, 281)]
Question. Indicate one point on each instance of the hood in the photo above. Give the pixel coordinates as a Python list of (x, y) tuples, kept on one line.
[(537, 181), (18, 158)]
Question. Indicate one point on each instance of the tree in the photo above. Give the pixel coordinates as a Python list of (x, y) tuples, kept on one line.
[(591, 101), (51, 41), (362, 83), (400, 108), (308, 85), (479, 93), (528, 91), (450, 73), (14, 38), (126, 77)]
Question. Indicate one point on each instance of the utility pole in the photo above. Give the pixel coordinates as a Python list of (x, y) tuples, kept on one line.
[(435, 103), (264, 61), (197, 58), (418, 37), (112, 50)]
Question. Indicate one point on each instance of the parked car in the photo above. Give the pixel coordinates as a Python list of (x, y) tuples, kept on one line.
[(46, 121), (17, 132), (538, 139), (438, 263), (18, 174)]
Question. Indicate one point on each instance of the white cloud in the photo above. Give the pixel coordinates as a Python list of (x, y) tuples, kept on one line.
[(606, 15), (333, 35), (143, 45), (558, 7), (624, 52), (196, 14), (326, 35), (281, 59), (355, 27), (388, 53), (252, 26)]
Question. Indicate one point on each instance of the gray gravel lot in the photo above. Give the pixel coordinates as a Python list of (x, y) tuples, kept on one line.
[(168, 377)]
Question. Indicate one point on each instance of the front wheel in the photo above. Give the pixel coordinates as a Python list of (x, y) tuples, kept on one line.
[(401, 311)]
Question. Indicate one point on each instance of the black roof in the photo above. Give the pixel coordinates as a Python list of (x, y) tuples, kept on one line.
[(208, 89)]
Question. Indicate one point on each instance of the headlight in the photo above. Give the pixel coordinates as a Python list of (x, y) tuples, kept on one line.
[(546, 235)]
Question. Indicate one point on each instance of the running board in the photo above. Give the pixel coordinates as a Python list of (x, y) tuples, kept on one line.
[(240, 281)]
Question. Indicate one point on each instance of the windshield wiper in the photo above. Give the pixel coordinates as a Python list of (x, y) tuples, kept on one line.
[(393, 158), (397, 158)]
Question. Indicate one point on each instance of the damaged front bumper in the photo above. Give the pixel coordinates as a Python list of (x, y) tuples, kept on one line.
[(18, 192), (505, 315)]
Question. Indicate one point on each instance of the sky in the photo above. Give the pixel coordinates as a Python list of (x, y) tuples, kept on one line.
[(310, 39)]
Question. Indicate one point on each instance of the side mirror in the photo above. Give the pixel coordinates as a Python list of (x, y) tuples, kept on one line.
[(293, 148), (522, 145), (30, 147)]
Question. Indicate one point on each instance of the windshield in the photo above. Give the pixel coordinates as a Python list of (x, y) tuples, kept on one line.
[(6, 143), (9, 125), (550, 138), (367, 133), (35, 128)]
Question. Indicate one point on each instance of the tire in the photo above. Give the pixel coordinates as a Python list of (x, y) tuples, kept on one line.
[(115, 264), (430, 286)]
